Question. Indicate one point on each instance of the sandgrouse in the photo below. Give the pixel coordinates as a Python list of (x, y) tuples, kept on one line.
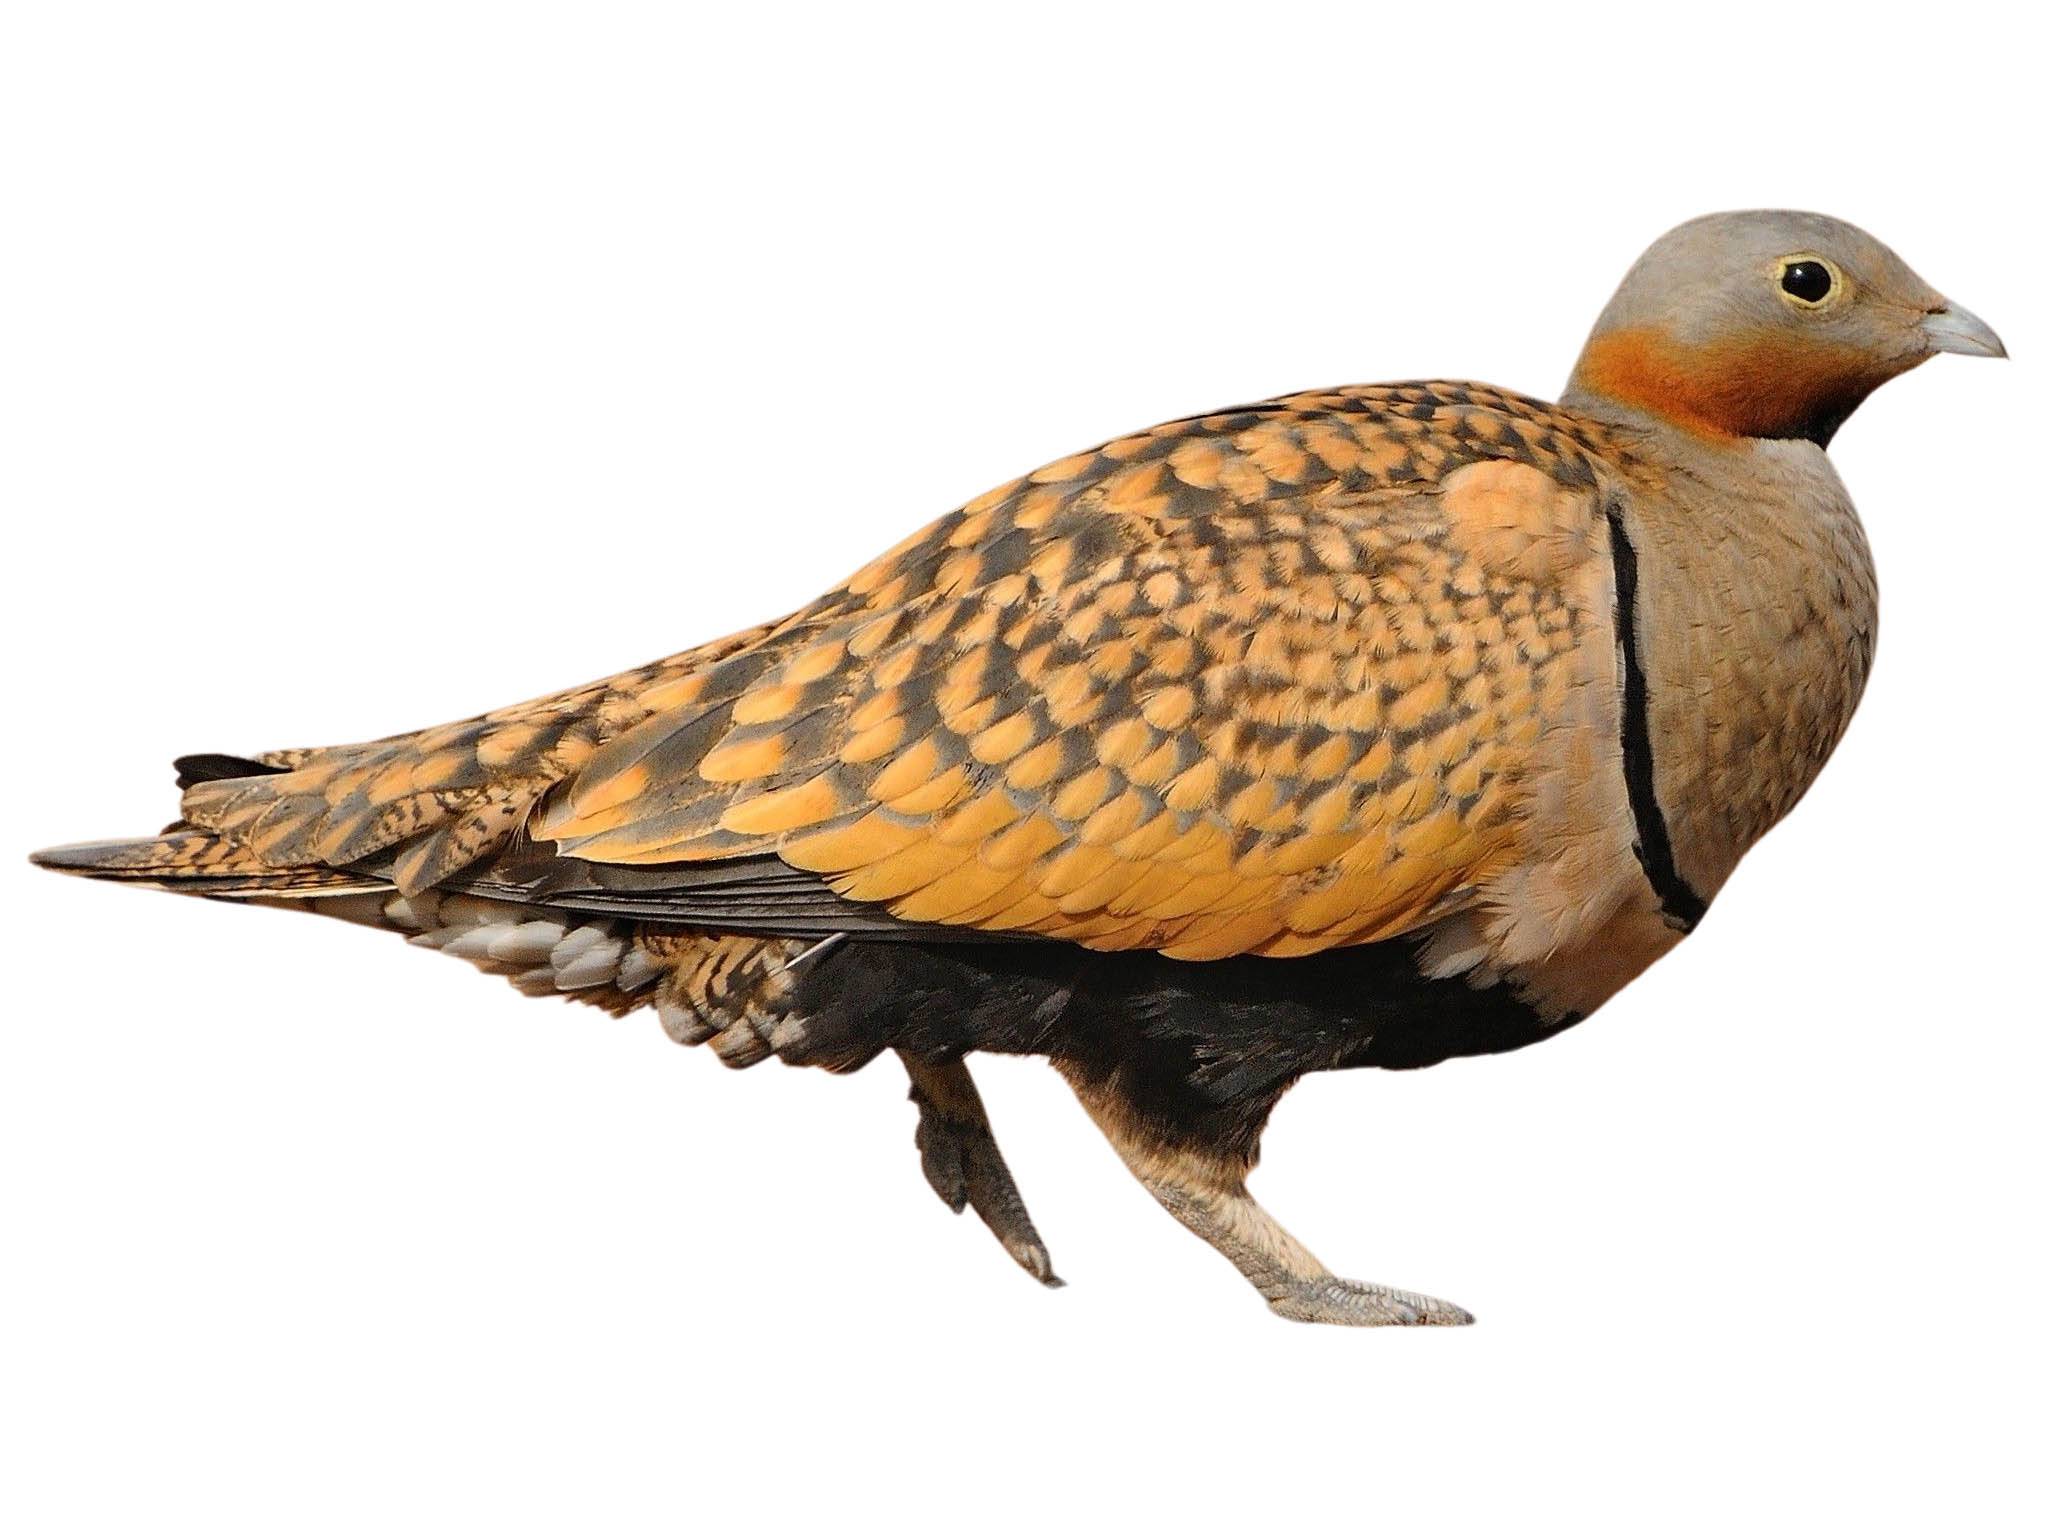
[(1365, 726)]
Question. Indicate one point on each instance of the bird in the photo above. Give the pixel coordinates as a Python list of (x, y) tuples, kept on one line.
[(1369, 726)]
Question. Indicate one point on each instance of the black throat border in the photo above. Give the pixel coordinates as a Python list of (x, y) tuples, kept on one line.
[(1682, 906)]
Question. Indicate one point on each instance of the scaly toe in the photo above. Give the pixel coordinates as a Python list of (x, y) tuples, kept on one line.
[(943, 1166), (1341, 1302), (964, 1167)]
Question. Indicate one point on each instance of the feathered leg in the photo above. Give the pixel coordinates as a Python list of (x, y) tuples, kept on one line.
[(1202, 1186), (964, 1164)]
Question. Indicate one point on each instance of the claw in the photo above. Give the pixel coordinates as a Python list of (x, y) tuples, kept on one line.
[(965, 1167)]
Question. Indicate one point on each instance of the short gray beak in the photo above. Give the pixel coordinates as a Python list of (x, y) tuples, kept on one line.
[(1949, 328)]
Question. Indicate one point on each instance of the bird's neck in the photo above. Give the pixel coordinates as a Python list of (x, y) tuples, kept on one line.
[(1753, 385)]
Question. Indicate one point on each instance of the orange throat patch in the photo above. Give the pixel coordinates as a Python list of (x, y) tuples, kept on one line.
[(1753, 385)]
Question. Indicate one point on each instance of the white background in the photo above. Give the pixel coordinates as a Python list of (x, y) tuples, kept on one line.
[(367, 366)]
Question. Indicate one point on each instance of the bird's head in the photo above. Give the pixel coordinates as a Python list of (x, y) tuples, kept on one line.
[(1767, 324)]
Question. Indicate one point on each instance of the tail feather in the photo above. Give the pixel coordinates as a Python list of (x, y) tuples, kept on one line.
[(729, 991), (197, 863), (185, 855), (732, 993)]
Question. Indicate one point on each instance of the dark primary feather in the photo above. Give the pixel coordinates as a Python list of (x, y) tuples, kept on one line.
[(219, 767), (759, 894)]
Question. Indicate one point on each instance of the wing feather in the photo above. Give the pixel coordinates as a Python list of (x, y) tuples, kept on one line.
[(1258, 681)]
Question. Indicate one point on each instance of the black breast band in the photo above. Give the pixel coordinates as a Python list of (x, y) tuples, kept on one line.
[(1682, 906)]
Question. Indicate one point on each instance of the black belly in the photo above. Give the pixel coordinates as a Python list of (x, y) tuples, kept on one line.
[(1184, 1040)]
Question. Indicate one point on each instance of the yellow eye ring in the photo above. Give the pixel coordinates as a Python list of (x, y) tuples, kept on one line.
[(1809, 281)]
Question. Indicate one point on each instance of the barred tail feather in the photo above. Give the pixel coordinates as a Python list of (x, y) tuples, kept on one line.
[(193, 862), (729, 991)]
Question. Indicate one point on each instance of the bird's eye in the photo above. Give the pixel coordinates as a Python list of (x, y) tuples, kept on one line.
[(1807, 280)]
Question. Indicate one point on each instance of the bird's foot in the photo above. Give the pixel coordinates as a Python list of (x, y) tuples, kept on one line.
[(1341, 1302), (965, 1167)]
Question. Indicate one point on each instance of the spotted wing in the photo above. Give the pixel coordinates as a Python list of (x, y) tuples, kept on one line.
[(1263, 681), (429, 804)]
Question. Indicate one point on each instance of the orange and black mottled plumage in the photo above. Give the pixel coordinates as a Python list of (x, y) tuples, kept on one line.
[(1366, 726)]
